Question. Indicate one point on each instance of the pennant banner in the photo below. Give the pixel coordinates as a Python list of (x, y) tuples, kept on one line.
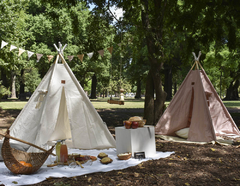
[(101, 52), (110, 49), (39, 57), (70, 58), (90, 55), (50, 57), (20, 51), (29, 54), (12, 47), (130, 60), (3, 44), (80, 57)]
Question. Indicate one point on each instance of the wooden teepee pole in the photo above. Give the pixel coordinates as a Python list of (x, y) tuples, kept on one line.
[(8, 136), (196, 59)]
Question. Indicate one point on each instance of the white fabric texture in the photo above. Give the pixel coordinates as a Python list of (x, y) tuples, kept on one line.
[(66, 102), (219, 140), (21, 51), (183, 133), (12, 47), (3, 44), (90, 55), (7, 178), (29, 54)]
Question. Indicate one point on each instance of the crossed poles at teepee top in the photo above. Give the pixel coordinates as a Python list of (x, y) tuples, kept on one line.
[(197, 60), (60, 49)]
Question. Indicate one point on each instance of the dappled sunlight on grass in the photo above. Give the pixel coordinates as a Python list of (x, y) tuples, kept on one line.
[(232, 104), (101, 103), (12, 105)]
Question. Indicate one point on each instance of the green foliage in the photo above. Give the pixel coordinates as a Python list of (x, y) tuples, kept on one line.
[(221, 66), (31, 79), (4, 91), (176, 28)]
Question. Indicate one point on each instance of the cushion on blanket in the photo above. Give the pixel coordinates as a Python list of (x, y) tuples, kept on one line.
[(183, 133)]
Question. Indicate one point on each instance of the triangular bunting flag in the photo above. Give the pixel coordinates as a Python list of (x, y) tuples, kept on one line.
[(3, 44), (130, 60), (20, 51), (70, 58), (101, 52), (50, 57), (29, 54), (90, 55), (80, 57), (12, 47), (39, 57), (110, 49)]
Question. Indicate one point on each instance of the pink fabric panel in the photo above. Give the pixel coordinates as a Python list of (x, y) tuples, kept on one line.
[(222, 120), (176, 115), (201, 128)]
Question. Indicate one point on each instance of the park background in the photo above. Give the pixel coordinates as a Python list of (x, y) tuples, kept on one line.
[(152, 42)]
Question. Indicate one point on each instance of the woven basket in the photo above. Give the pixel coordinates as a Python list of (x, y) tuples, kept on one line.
[(125, 157), (11, 158)]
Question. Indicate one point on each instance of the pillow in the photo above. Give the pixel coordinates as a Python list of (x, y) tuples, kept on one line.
[(183, 133)]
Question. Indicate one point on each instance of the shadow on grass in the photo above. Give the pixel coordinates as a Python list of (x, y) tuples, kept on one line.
[(117, 98)]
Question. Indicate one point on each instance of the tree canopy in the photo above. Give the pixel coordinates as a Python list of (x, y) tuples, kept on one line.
[(152, 44)]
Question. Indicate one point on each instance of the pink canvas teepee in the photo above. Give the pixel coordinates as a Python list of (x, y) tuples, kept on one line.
[(197, 105)]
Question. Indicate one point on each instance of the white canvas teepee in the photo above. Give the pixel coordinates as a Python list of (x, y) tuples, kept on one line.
[(60, 109), (198, 107)]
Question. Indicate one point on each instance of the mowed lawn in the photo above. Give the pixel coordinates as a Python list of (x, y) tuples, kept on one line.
[(101, 103)]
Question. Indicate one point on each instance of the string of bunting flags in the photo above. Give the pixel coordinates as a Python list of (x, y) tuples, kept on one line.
[(50, 57)]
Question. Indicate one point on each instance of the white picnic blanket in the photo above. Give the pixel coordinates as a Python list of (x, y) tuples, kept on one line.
[(8, 178), (219, 140)]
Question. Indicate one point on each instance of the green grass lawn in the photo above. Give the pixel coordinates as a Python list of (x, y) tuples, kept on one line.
[(12, 105), (101, 103), (232, 104)]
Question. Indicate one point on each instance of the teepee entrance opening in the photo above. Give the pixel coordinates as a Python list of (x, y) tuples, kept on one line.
[(62, 129)]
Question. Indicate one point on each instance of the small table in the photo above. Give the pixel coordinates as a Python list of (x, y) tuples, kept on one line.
[(141, 139)]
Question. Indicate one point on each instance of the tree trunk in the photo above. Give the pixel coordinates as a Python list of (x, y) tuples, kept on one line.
[(175, 88), (22, 95), (94, 87), (5, 79), (139, 90), (168, 82), (22, 84), (13, 85), (232, 91), (154, 33), (149, 100), (160, 94)]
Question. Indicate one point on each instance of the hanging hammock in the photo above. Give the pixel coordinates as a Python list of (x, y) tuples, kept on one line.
[(12, 157)]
